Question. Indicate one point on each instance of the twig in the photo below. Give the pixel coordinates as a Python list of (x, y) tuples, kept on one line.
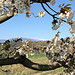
[(51, 8), (51, 14), (46, 10), (33, 14)]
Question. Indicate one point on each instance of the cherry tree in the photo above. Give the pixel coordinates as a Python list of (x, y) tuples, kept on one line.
[(11, 8)]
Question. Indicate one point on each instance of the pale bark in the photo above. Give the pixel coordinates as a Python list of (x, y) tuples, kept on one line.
[(4, 18)]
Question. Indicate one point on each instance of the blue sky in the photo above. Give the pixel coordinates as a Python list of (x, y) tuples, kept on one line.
[(32, 27)]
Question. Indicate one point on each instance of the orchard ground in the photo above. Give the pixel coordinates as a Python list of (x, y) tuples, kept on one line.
[(18, 69)]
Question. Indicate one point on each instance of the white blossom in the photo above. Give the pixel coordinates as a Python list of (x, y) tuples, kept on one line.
[(60, 22), (6, 7), (71, 31), (52, 2), (42, 14), (21, 52), (15, 13), (26, 55), (8, 3), (1, 6), (55, 27), (70, 15), (73, 27), (55, 41), (62, 16), (20, 5)]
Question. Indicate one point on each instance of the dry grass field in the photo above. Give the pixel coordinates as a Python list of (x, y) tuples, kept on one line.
[(18, 69)]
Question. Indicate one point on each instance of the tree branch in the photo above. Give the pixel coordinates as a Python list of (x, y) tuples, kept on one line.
[(51, 14), (37, 1), (27, 63), (4, 18), (46, 10), (40, 1), (51, 8)]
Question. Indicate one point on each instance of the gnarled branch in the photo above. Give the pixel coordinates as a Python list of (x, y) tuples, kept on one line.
[(27, 63)]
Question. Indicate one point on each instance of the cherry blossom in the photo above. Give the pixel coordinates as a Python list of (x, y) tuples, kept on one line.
[(70, 15), (73, 27), (41, 13), (62, 16), (52, 2)]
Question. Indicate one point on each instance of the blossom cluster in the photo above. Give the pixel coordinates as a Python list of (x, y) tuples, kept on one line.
[(57, 50), (73, 27), (6, 7), (69, 15), (63, 51), (14, 48), (66, 14), (55, 27), (9, 8)]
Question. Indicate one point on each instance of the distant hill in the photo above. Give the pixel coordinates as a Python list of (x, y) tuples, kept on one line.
[(2, 41), (23, 39), (33, 39)]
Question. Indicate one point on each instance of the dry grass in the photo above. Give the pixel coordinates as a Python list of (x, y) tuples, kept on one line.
[(18, 69)]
